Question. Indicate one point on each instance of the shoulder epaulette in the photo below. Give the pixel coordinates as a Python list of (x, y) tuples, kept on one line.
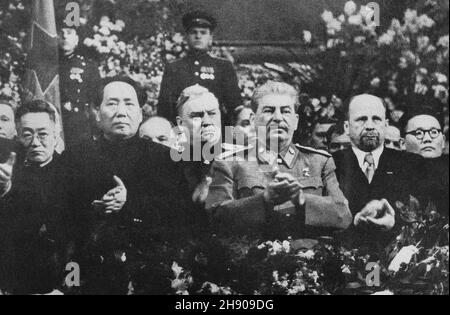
[(308, 149)]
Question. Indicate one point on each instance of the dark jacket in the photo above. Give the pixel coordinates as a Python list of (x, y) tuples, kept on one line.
[(150, 176), (37, 228), (217, 75), (398, 176), (436, 191)]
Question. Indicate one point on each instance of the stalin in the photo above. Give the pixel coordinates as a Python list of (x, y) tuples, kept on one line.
[(198, 67), (78, 78), (285, 191)]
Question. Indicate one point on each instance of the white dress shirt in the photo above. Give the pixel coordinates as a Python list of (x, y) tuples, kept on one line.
[(361, 156)]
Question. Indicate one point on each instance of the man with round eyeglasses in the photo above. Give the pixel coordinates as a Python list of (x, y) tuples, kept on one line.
[(423, 135)]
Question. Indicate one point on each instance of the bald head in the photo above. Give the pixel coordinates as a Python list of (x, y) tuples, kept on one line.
[(157, 129), (367, 122)]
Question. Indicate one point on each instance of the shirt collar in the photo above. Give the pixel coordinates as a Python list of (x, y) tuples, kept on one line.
[(361, 155)]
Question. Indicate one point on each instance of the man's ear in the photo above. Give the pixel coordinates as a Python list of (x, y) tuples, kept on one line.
[(179, 122), (96, 111), (297, 117), (347, 127)]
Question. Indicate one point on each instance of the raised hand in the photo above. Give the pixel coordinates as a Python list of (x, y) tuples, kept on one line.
[(6, 170)]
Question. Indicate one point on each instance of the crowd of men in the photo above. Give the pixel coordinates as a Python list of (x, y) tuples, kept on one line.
[(144, 180)]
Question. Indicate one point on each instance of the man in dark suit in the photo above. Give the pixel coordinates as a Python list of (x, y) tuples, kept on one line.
[(423, 135), (147, 172), (36, 210), (198, 67), (372, 177)]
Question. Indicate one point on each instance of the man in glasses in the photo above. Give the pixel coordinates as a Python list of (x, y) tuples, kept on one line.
[(36, 209), (424, 136)]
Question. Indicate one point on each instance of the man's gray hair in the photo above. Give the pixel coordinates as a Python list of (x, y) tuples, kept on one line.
[(191, 93), (277, 88)]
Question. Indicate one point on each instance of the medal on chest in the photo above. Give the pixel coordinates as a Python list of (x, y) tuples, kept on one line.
[(207, 73)]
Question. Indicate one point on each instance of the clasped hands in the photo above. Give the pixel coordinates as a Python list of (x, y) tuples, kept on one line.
[(114, 200), (6, 170), (283, 188), (377, 214)]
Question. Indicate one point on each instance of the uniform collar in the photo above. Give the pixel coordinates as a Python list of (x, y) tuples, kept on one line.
[(195, 54), (287, 158)]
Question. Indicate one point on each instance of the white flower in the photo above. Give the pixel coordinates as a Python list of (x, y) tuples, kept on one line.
[(341, 18), (104, 31), (276, 248), (104, 21), (177, 38), (334, 27), (308, 255), (355, 19), (410, 16), (403, 257), (387, 292), (425, 21), (444, 41), (120, 24), (327, 16), (83, 21), (177, 270), (297, 289), (350, 8), (396, 26), (307, 36), (88, 42), (366, 13), (386, 39), (423, 42), (441, 78)]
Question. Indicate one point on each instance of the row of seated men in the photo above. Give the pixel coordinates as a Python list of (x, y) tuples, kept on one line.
[(121, 189)]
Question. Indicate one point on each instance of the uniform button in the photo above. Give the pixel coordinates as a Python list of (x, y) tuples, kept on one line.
[(76, 109), (197, 63), (197, 74), (78, 90)]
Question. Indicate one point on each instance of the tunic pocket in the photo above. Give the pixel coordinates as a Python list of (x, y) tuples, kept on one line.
[(312, 185)]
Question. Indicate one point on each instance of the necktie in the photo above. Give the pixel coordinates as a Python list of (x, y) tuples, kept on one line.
[(370, 170)]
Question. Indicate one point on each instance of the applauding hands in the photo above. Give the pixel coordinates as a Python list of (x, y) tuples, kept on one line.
[(377, 214), (6, 170), (284, 188), (114, 200)]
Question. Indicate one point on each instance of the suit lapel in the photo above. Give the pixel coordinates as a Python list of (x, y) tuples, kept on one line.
[(384, 168)]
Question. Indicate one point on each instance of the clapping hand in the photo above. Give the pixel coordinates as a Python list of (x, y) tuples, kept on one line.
[(6, 170), (283, 188), (377, 214), (114, 200)]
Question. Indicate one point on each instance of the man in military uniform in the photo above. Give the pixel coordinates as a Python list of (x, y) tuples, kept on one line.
[(287, 190), (78, 79), (199, 121), (198, 67)]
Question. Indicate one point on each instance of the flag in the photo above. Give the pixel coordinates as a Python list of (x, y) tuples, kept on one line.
[(42, 71)]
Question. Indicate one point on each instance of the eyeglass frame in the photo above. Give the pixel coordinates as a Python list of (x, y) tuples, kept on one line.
[(439, 132)]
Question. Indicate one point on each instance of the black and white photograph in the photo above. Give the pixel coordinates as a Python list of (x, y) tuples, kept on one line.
[(224, 153)]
